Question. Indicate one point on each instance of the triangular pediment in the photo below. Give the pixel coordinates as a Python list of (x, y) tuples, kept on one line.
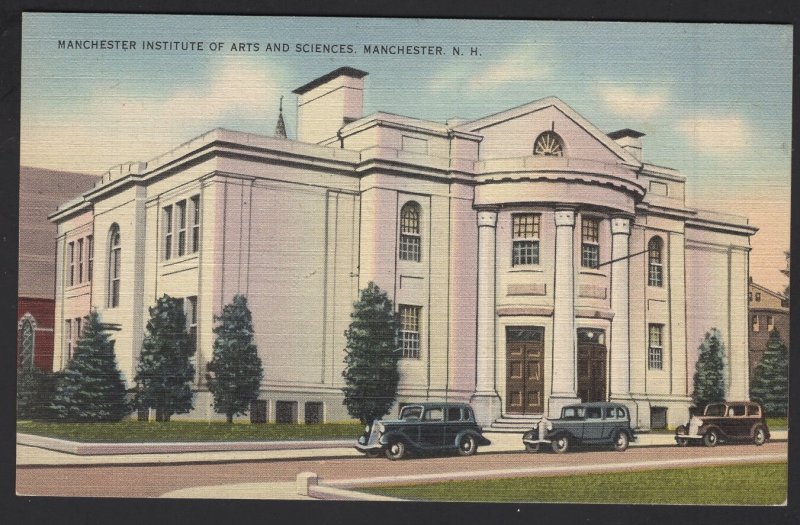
[(511, 133)]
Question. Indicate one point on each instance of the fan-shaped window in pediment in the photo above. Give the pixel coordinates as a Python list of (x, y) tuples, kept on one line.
[(549, 144)]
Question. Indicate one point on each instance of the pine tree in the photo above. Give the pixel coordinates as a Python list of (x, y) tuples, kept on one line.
[(371, 372), (35, 392), (770, 381), (709, 379), (235, 370), (91, 387), (165, 373)]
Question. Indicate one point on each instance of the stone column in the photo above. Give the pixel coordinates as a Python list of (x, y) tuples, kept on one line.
[(563, 387), (485, 400), (620, 385)]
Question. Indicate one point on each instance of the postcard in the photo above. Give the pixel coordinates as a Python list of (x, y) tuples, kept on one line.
[(404, 259)]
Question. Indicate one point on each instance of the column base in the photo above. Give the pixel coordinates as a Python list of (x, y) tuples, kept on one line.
[(557, 402), (486, 406)]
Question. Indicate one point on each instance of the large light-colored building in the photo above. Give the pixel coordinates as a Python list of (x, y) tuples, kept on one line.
[(533, 259)]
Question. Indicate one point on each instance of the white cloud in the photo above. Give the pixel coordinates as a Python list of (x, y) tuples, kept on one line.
[(119, 125), (512, 69), (716, 135), (629, 102)]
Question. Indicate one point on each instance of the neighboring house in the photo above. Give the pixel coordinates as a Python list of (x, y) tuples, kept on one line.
[(40, 193), (533, 259), (768, 311)]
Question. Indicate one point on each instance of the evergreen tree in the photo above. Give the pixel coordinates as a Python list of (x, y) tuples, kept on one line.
[(165, 374), (35, 393), (770, 381), (709, 379), (371, 372), (235, 370), (91, 387)]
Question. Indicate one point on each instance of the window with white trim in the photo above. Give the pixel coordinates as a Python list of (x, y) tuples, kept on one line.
[(410, 240), (409, 330), (180, 211), (68, 338), (27, 342), (80, 260), (525, 239), (114, 266), (166, 253), (89, 257), (655, 347), (770, 323), (71, 266), (195, 223), (655, 269), (756, 326), (590, 242)]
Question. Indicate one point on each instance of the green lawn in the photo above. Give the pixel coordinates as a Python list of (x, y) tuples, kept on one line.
[(139, 431), (756, 484)]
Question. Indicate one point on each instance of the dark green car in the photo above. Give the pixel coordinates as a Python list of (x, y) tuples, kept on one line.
[(424, 428), (593, 424)]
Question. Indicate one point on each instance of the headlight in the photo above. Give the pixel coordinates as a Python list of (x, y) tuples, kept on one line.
[(528, 435), (366, 429), (380, 427)]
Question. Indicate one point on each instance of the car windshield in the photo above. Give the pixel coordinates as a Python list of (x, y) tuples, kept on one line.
[(411, 413), (715, 410), (573, 413)]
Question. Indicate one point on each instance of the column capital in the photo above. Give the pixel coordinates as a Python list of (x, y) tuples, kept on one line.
[(620, 226), (565, 217), (487, 217)]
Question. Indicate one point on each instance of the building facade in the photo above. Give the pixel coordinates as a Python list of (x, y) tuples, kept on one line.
[(768, 311), (533, 259), (41, 192)]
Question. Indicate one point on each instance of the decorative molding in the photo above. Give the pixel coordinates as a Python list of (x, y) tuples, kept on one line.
[(565, 217), (541, 311), (594, 313), (593, 292), (527, 289)]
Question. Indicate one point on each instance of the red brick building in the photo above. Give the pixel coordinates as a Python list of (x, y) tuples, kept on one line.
[(40, 193), (768, 311)]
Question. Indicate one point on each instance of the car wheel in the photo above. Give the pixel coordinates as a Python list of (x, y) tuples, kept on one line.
[(621, 442), (532, 447), (682, 442), (710, 438), (560, 445), (372, 453), (396, 450), (759, 436), (468, 446)]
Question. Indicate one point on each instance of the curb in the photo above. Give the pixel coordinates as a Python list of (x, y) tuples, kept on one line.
[(94, 449)]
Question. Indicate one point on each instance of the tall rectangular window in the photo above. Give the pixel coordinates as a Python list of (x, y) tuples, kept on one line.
[(167, 253), (655, 352), (71, 266), (89, 257), (756, 326), (80, 260), (409, 330), (77, 328), (68, 338), (114, 267), (195, 223), (181, 218), (410, 240), (525, 239), (191, 319), (770, 323), (590, 245)]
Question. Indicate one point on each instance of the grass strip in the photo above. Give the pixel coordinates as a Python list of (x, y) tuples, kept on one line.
[(752, 484), (186, 431)]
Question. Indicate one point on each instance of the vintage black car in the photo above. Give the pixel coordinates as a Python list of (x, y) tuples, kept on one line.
[(728, 421), (597, 423), (424, 427)]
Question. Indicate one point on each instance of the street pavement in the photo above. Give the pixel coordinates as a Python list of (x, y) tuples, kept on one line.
[(274, 478)]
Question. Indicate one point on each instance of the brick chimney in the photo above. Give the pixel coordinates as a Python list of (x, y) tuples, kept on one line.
[(630, 140)]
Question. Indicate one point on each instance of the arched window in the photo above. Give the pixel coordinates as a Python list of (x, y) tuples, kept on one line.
[(409, 232), (27, 342), (549, 143), (114, 256), (655, 273)]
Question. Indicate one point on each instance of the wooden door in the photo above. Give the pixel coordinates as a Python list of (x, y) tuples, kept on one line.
[(591, 365), (524, 370)]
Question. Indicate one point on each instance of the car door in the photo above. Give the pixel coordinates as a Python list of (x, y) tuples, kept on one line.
[(454, 423), (432, 428), (593, 425), (610, 423)]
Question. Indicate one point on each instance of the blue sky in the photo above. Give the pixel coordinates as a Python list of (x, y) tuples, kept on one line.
[(714, 100)]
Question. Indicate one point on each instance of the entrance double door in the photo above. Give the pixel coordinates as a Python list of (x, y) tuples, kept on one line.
[(524, 369)]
